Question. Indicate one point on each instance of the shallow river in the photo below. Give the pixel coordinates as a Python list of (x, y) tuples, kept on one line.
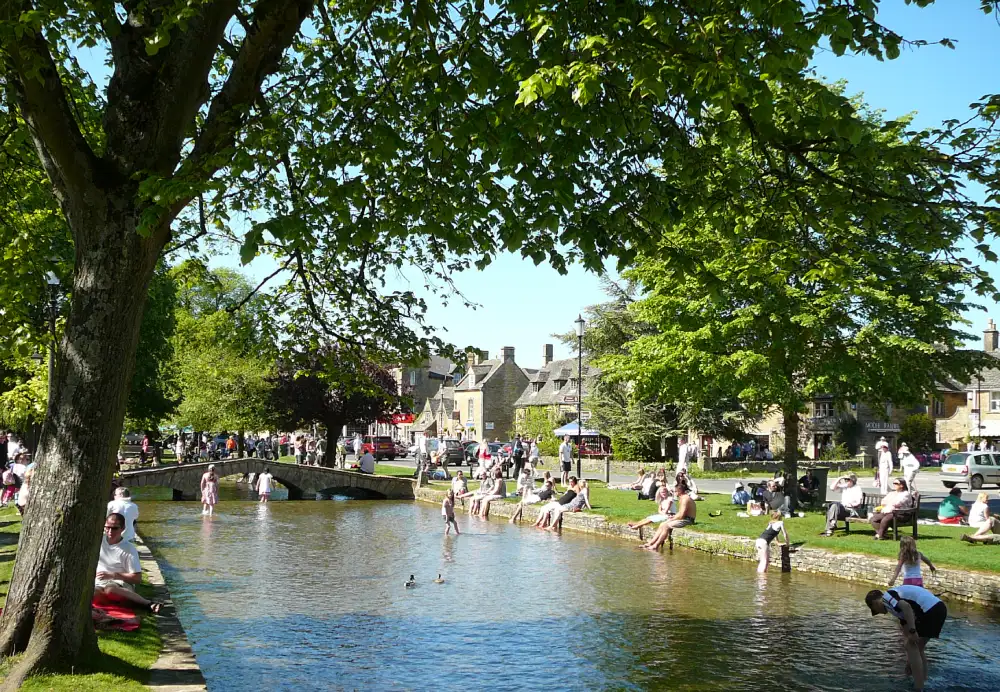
[(309, 595)]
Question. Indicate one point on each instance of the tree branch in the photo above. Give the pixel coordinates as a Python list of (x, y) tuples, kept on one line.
[(64, 152)]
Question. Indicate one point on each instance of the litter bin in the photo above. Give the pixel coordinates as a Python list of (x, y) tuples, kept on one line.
[(821, 474)]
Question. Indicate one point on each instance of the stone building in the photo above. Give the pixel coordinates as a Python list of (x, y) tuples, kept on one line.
[(485, 396), (964, 411), (553, 391), (438, 416), (421, 384)]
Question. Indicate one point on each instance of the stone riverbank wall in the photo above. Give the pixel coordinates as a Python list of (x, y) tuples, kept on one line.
[(955, 584)]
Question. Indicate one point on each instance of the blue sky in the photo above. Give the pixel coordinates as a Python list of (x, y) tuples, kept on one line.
[(520, 304)]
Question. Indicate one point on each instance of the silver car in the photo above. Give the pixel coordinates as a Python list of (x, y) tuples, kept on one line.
[(973, 469)]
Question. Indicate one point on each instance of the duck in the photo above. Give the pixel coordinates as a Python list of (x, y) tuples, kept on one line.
[(439, 580), (410, 583)]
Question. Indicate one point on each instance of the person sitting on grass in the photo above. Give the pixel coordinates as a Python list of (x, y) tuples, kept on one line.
[(635, 485), (577, 504), (980, 518), (565, 499), (531, 497), (951, 510), (740, 495), (685, 516), (777, 500), (525, 480), (689, 482), (118, 569), (665, 506), (647, 489), (808, 486)]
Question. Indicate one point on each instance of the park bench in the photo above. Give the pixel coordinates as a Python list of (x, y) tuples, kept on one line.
[(907, 517)]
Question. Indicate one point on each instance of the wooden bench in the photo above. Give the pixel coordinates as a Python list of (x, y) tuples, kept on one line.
[(902, 518)]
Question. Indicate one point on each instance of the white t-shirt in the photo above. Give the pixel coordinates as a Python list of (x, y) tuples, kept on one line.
[(19, 470), (566, 452), (853, 496), (977, 515), (458, 485), (264, 483), (119, 557), (130, 511), (367, 463), (533, 453)]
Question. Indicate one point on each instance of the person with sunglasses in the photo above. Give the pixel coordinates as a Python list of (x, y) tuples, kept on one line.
[(118, 569), (898, 500)]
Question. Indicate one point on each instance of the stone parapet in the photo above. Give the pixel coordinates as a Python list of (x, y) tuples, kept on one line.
[(977, 587)]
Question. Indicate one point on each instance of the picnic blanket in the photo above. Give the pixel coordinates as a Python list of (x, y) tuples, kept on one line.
[(113, 616)]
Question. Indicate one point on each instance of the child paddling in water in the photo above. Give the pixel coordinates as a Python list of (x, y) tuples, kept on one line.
[(448, 512), (774, 527), (909, 563)]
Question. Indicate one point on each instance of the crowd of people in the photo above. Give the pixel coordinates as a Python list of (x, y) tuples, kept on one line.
[(18, 471)]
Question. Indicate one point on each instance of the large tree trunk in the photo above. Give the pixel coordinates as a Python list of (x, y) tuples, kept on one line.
[(48, 606), (791, 419)]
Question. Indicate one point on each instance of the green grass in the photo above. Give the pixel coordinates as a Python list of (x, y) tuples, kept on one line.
[(125, 656)]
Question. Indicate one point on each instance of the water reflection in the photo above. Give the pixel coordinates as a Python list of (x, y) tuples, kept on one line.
[(309, 595)]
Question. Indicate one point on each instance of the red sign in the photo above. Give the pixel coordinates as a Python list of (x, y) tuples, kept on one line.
[(402, 418)]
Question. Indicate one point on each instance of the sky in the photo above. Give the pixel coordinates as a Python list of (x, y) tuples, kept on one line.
[(521, 305)]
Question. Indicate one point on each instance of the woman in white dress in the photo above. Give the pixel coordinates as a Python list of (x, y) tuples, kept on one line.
[(884, 464)]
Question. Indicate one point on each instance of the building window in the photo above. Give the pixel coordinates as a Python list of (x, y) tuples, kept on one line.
[(938, 408), (994, 401), (472, 409), (536, 387), (413, 378), (560, 384), (824, 409), (573, 383)]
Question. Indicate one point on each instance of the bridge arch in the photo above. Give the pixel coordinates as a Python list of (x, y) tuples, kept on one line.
[(303, 482)]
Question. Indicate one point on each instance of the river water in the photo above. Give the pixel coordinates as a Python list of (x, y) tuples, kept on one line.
[(310, 596)]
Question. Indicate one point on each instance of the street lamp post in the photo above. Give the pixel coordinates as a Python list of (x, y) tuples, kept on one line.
[(580, 324), (53, 281)]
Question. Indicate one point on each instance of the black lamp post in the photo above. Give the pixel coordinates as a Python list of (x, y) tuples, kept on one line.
[(53, 281), (580, 324)]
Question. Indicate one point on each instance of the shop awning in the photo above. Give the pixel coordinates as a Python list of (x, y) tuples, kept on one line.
[(572, 429)]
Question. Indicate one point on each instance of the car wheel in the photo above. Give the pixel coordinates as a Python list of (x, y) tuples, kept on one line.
[(392, 458), (977, 482), (948, 484)]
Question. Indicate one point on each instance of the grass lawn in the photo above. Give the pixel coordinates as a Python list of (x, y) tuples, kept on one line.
[(940, 543), (126, 656)]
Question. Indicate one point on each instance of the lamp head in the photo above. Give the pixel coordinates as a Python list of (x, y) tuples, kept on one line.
[(580, 323), (51, 279)]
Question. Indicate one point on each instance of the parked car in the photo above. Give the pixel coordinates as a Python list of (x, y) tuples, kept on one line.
[(472, 452), (454, 451), (401, 450), (381, 447), (973, 469)]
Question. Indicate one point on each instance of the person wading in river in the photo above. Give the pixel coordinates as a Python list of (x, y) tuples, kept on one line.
[(921, 616)]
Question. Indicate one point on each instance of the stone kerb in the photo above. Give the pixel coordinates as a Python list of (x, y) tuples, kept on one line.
[(978, 587)]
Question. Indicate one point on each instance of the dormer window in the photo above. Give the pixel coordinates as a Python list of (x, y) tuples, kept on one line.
[(560, 384), (573, 383), (536, 387)]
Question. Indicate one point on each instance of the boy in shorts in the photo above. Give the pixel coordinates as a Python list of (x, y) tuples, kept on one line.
[(448, 512)]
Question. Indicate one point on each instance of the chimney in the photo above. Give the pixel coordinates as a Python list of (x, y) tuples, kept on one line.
[(508, 354), (546, 354), (990, 337)]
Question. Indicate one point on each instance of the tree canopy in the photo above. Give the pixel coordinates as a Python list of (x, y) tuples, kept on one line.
[(767, 294)]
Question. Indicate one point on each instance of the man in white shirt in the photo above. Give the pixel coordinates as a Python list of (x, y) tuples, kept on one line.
[(565, 459), (122, 504), (118, 569), (682, 456), (357, 446), (264, 482), (852, 497), (421, 450), (366, 464)]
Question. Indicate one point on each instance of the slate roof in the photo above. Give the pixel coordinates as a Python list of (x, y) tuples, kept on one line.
[(558, 372), (988, 379), (483, 371), (444, 398)]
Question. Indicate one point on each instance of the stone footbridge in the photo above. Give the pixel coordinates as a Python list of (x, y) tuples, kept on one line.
[(303, 482)]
